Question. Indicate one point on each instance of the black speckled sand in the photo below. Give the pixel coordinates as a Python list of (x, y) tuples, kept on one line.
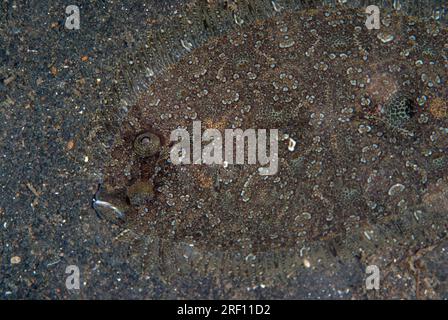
[(363, 128)]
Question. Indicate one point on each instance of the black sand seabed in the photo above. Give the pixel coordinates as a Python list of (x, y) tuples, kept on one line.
[(53, 81)]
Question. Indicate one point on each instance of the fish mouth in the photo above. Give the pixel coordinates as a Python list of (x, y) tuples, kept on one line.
[(107, 210)]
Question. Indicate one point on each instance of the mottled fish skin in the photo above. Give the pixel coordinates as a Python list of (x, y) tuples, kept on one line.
[(359, 166)]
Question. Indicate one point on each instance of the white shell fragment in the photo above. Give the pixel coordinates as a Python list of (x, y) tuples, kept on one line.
[(292, 144), (385, 37), (396, 189)]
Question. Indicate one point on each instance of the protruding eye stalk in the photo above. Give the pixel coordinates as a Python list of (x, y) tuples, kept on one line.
[(147, 144), (140, 193)]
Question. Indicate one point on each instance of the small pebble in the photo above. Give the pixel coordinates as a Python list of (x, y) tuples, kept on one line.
[(16, 260), (306, 263), (70, 145)]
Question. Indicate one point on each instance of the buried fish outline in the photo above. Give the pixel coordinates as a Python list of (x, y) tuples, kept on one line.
[(334, 187)]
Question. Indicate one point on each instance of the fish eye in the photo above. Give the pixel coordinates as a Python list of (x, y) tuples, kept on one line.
[(146, 144)]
